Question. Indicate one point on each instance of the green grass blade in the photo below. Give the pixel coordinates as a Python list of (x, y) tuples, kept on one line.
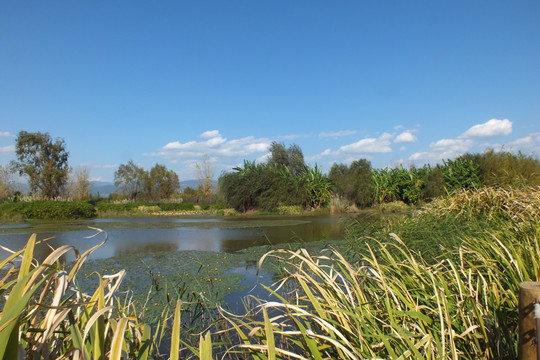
[(175, 337)]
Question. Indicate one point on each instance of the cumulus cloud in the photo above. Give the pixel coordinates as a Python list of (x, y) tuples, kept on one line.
[(214, 145), (405, 137), (454, 147), (443, 149), (6, 134), (491, 128), (335, 134), (369, 145)]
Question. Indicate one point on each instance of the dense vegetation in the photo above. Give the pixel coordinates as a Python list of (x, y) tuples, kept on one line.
[(270, 185), (365, 297), (47, 210)]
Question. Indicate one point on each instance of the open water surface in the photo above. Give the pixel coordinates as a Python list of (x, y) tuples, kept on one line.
[(147, 235), (152, 237)]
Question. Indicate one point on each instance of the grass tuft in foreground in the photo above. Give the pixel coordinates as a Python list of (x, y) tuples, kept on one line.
[(393, 303)]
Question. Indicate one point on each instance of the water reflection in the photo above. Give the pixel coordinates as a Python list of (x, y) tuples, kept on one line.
[(138, 235)]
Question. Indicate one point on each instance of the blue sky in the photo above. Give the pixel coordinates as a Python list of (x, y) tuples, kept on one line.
[(172, 81)]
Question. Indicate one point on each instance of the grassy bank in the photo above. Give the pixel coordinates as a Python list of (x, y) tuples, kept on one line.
[(440, 283), (46, 210)]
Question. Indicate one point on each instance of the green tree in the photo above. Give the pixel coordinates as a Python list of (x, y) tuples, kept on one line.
[(162, 182), (434, 184), (44, 161), (260, 186), (317, 187), (131, 179), (354, 182), (291, 158)]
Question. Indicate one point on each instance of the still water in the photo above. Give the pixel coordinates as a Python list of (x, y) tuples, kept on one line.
[(147, 235)]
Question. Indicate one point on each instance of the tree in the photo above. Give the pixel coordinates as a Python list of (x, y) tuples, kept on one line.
[(354, 182), (291, 158), (6, 182), (205, 178), (162, 182), (79, 184), (44, 162), (130, 179)]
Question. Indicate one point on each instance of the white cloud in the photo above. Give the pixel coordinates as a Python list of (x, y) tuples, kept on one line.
[(405, 137), (214, 146), (451, 148), (529, 142), (452, 145), (294, 136), (105, 166), (336, 134), (210, 134), (326, 152), (7, 149), (6, 134), (491, 128), (369, 145), (443, 149)]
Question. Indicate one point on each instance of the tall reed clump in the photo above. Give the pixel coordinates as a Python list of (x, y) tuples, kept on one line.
[(392, 303), (46, 316)]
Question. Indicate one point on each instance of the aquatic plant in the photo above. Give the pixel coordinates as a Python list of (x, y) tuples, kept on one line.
[(390, 302), (46, 315)]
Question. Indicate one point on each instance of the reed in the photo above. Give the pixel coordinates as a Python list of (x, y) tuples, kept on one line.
[(393, 303), (45, 314)]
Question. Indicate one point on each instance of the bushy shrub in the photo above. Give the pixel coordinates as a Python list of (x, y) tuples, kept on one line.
[(48, 210), (118, 207), (183, 206)]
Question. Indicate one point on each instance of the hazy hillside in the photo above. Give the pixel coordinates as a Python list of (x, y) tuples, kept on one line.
[(106, 188)]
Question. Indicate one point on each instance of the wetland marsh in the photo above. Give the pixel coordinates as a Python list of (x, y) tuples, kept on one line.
[(213, 258)]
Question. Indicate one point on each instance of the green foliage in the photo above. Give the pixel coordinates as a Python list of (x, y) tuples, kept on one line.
[(46, 315), (460, 174), (291, 158), (138, 208), (399, 184), (137, 184), (131, 179), (115, 208), (505, 168), (318, 188), (268, 186), (44, 162), (354, 182), (258, 186), (48, 210), (183, 206), (387, 299), (161, 183)]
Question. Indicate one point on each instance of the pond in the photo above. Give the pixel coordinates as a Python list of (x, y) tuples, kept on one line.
[(215, 256), (147, 235)]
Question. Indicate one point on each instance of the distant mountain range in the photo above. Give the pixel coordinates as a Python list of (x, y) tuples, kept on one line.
[(104, 188)]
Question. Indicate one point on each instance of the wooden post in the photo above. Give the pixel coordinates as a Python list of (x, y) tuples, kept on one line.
[(529, 293)]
